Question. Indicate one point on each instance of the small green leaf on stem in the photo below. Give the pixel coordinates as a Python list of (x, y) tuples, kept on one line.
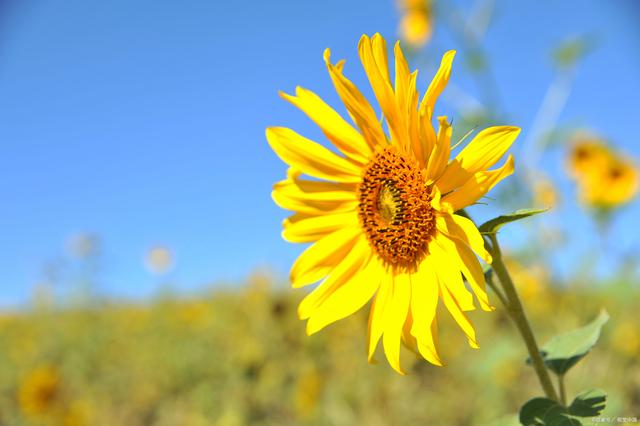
[(563, 351), (547, 412), (493, 225), (589, 403)]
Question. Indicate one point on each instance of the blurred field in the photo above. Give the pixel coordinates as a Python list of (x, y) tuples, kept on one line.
[(239, 356)]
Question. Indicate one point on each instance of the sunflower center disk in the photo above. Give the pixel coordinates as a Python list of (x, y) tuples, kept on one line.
[(395, 209)]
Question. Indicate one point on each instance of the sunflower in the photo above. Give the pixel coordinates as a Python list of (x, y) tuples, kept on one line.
[(613, 185), (587, 154), (605, 179), (39, 393), (416, 22), (380, 210)]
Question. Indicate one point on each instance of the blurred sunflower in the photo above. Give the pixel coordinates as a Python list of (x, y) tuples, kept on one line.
[(39, 393), (416, 22), (613, 185), (605, 179), (382, 215)]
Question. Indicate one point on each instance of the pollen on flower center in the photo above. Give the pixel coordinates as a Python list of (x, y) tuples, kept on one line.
[(395, 209)]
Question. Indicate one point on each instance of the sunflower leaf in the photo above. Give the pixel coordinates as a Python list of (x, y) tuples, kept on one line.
[(492, 226), (546, 412), (563, 351), (589, 403)]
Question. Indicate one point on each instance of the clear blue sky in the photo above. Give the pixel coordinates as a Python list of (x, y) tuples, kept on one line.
[(144, 121)]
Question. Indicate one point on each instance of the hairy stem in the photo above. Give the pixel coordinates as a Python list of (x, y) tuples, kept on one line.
[(516, 312)]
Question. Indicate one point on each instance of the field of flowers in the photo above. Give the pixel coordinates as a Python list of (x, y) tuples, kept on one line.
[(240, 356)]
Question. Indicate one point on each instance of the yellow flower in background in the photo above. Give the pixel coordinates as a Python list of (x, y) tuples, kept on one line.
[(381, 214), (615, 184), (587, 154), (39, 393), (307, 392), (626, 338), (544, 192), (605, 179), (416, 22)]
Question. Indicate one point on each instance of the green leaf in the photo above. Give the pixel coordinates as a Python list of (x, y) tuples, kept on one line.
[(563, 351), (569, 52), (589, 403), (493, 225), (547, 412)]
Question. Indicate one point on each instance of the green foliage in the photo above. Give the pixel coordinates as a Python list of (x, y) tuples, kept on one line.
[(563, 351), (546, 412), (493, 225), (589, 403), (571, 51), (240, 356)]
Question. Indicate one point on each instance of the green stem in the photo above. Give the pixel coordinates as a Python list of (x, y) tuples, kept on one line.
[(563, 393), (516, 311), (497, 291)]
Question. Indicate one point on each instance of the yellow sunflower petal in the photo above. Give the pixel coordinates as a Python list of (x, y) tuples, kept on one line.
[(336, 129), (381, 85), (466, 261), (379, 307), (438, 83), (395, 318), (309, 157), (357, 105), (341, 274), (459, 316), (440, 155), (448, 274), (347, 299), (407, 99), (424, 302), (408, 339), (314, 197), (303, 228), (319, 259), (482, 153), (478, 186), (465, 230), (427, 133), (304, 189)]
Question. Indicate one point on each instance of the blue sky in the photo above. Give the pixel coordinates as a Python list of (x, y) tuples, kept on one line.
[(143, 122)]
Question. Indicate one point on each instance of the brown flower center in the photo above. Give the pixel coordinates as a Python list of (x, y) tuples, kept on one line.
[(395, 209)]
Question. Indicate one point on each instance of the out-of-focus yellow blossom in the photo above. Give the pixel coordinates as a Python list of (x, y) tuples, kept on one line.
[(307, 392), (615, 184), (78, 414), (193, 313), (40, 392), (588, 153), (605, 178), (626, 338), (532, 283), (544, 192), (416, 22)]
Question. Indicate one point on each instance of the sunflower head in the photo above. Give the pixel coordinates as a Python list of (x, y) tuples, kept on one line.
[(380, 209), (605, 179), (39, 393), (588, 152)]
